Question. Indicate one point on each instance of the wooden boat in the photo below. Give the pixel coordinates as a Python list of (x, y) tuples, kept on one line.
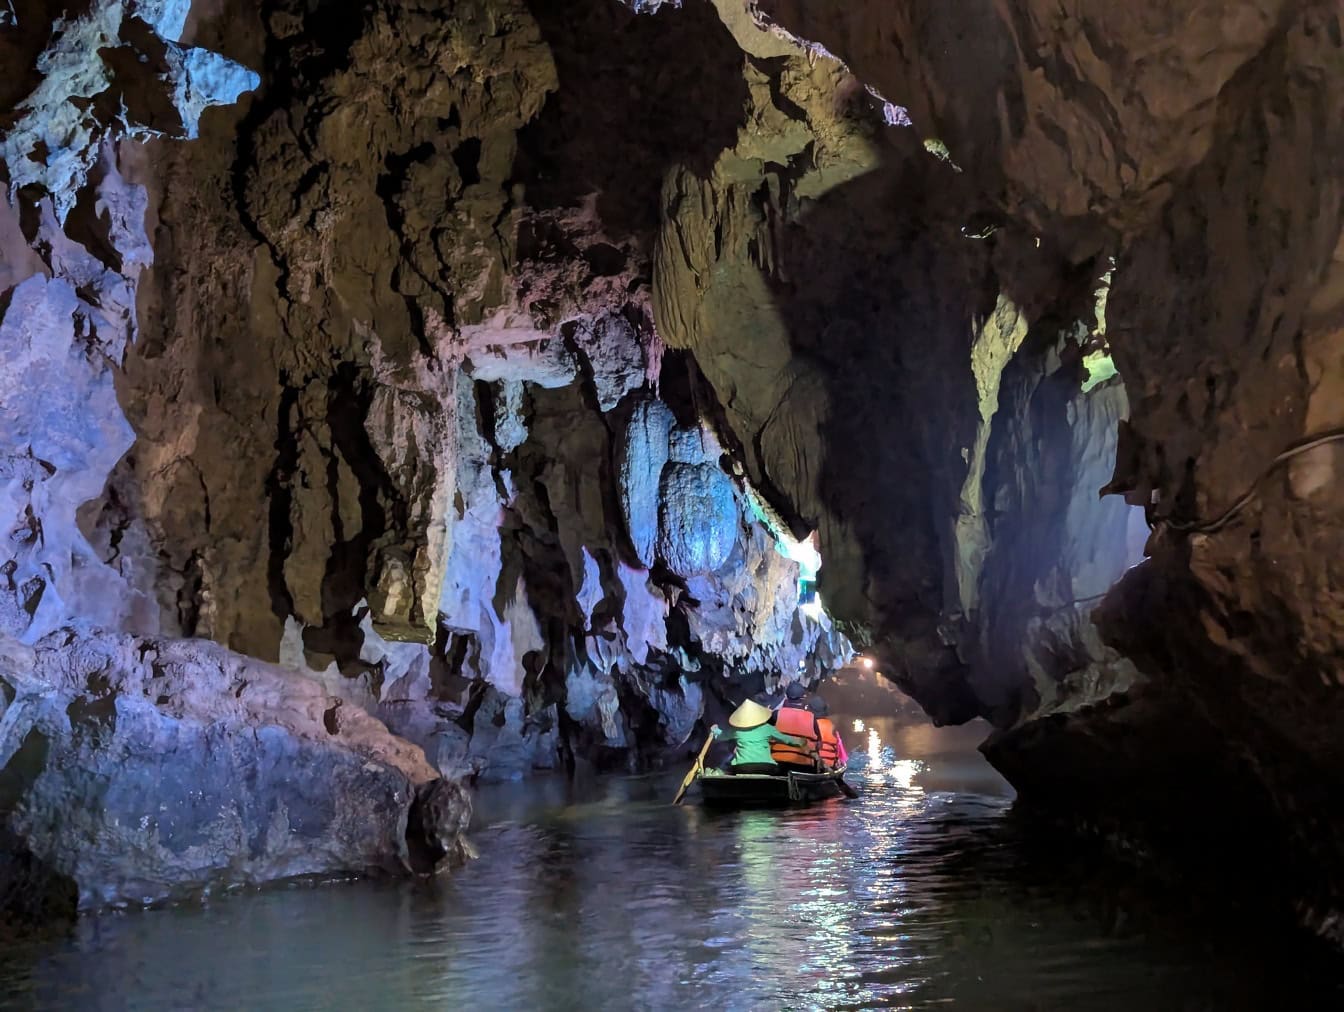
[(742, 790)]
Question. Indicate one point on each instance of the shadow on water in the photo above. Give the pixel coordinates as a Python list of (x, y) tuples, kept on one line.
[(927, 891)]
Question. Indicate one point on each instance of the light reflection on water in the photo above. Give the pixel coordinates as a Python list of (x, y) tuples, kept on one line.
[(922, 893)]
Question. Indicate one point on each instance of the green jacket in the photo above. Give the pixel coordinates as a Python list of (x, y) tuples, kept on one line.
[(753, 744)]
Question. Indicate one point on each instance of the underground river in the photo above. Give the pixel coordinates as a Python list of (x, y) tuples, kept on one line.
[(925, 892)]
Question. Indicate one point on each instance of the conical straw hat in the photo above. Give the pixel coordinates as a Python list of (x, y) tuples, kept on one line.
[(749, 714)]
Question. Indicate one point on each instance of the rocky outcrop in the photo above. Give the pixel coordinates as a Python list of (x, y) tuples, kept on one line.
[(138, 770), (113, 71)]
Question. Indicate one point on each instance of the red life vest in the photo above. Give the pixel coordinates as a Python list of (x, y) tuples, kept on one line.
[(802, 724), (829, 749)]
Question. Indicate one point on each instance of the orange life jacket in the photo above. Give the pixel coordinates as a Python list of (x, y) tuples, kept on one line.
[(829, 749), (802, 724)]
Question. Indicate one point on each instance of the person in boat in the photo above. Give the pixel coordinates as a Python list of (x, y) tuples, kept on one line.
[(753, 737), (795, 694), (831, 748), (796, 720)]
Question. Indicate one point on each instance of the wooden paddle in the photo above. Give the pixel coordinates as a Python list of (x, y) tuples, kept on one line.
[(699, 765), (845, 788)]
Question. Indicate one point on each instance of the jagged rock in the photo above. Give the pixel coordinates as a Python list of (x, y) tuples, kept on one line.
[(590, 590), (697, 518), (615, 357), (510, 425), (507, 743), (643, 618), (63, 431), (748, 616), (148, 770), (54, 141), (698, 445), (592, 699), (538, 359)]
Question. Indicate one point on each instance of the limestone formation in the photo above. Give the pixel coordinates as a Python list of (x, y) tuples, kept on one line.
[(143, 770), (482, 363), (643, 456), (697, 518)]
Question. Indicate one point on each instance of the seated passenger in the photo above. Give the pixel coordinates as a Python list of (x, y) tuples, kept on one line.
[(799, 722), (832, 748), (753, 737)]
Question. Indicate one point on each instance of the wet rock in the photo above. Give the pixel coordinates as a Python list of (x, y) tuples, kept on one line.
[(147, 770), (697, 518), (509, 744)]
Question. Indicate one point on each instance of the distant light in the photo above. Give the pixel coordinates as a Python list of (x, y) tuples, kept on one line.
[(868, 663), (878, 673), (858, 724)]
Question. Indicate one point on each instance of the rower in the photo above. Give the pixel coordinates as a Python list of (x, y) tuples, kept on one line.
[(755, 739)]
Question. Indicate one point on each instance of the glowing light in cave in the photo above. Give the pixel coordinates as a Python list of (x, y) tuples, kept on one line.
[(858, 724), (867, 662), (813, 608), (1099, 367), (804, 552), (1098, 361)]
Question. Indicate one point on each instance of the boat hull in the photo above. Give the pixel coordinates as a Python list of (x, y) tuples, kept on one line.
[(746, 790)]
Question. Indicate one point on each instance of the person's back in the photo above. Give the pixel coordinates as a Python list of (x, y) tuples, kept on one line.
[(801, 723), (754, 738), (830, 747)]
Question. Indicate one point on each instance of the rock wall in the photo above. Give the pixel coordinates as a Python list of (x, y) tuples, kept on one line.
[(1195, 145), (459, 367), (349, 382)]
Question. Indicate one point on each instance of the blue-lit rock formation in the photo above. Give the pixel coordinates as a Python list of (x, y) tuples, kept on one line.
[(697, 518), (350, 381), (142, 770), (643, 457), (115, 71)]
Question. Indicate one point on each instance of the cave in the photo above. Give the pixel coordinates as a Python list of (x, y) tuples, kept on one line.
[(420, 405)]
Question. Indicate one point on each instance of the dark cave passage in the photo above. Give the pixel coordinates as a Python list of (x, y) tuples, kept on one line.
[(411, 405)]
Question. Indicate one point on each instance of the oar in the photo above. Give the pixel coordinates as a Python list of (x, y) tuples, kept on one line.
[(845, 788), (699, 765)]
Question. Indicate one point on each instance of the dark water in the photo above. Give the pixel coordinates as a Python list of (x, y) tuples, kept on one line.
[(925, 892)]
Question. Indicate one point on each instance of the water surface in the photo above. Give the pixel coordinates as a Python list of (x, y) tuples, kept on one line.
[(925, 892)]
